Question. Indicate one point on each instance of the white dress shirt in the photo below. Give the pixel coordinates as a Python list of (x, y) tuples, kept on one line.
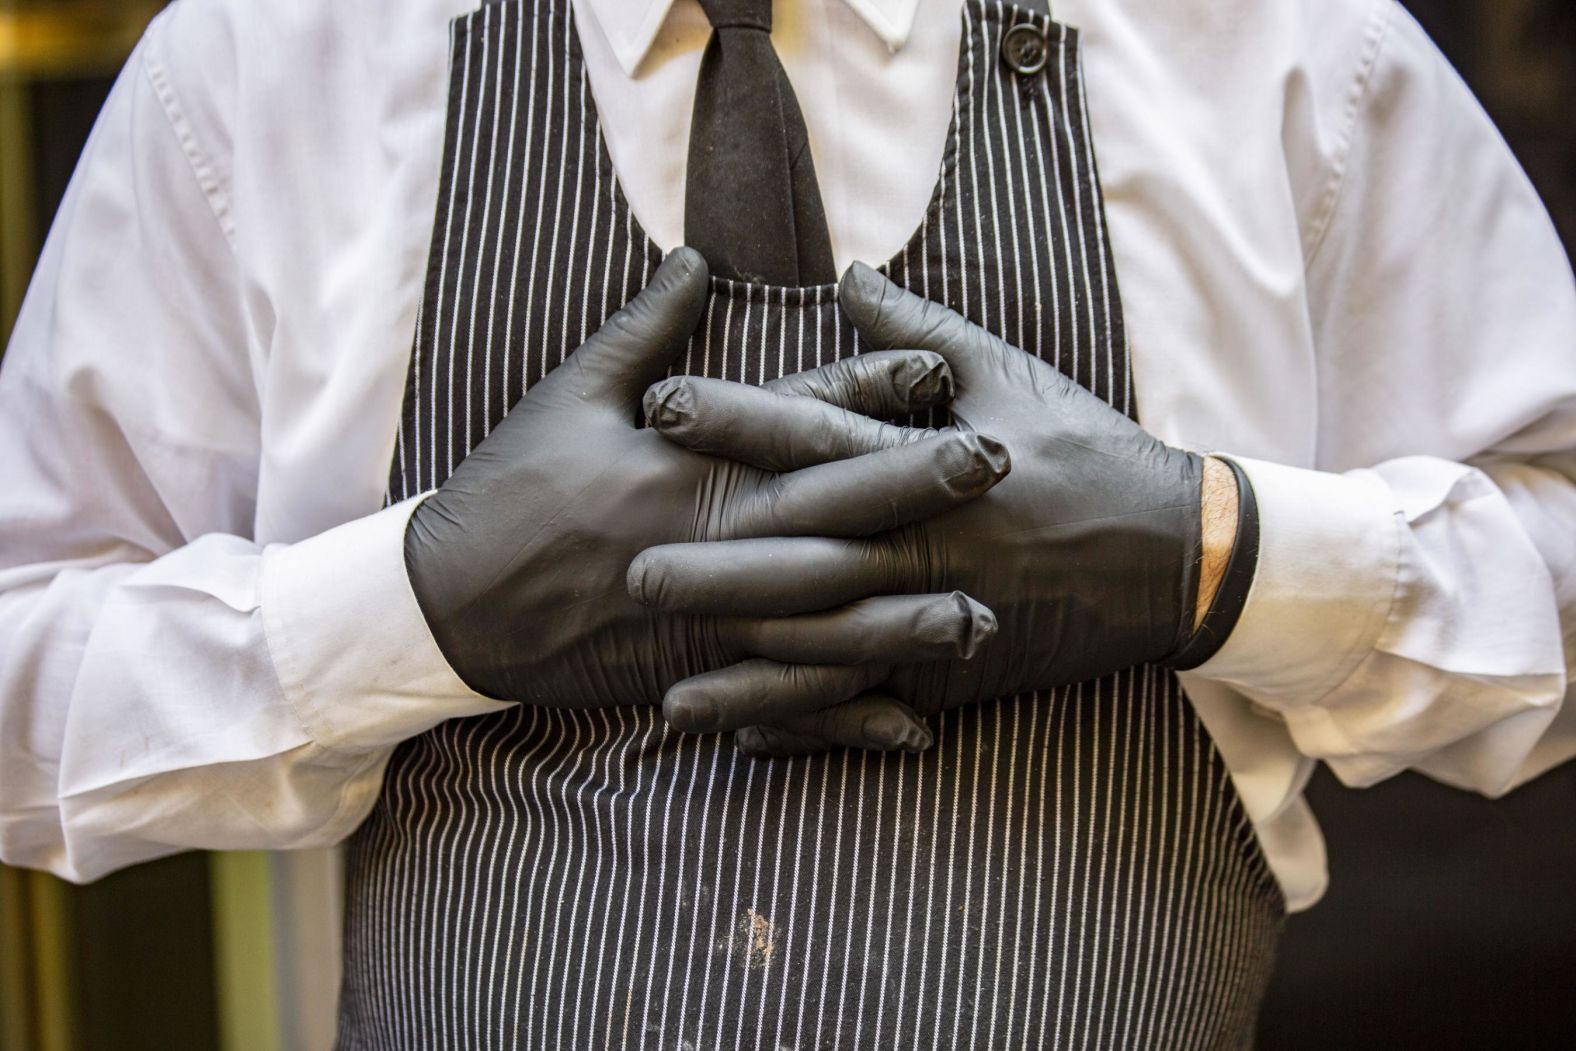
[(1329, 262)]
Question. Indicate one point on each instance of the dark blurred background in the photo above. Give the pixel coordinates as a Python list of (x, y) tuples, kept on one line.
[(1451, 922)]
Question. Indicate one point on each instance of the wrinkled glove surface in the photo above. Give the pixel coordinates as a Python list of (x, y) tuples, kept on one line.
[(1087, 553), (519, 561)]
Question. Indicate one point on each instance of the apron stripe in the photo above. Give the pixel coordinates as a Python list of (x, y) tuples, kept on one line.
[(1064, 868)]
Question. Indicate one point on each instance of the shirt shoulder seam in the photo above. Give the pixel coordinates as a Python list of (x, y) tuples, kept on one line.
[(1374, 37), (203, 169)]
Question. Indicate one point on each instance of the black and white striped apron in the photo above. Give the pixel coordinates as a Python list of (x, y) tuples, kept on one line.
[(1070, 868)]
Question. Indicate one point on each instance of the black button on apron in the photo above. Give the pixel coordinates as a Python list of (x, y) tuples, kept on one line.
[(1024, 49)]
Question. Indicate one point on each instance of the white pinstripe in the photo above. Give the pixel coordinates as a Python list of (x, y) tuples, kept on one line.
[(886, 946), (852, 896), (455, 29), (815, 887), (680, 897), (837, 857), (1131, 750), (482, 273), (469, 1025), (588, 819), (434, 853), (716, 896), (1148, 778), (1120, 783), (662, 882), (1083, 248), (972, 117), (604, 781), (607, 913), (567, 340), (1088, 855), (572, 757), (786, 937), (793, 895), (539, 228), (519, 226), (629, 877), (1099, 237), (748, 934), (946, 916), (992, 42), (465, 230), (1062, 964), (1180, 917)]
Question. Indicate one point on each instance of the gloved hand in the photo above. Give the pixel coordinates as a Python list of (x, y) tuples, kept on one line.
[(519, 561), (1087, 553)]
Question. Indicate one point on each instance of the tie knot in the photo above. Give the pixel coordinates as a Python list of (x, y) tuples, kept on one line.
[(739, 14)]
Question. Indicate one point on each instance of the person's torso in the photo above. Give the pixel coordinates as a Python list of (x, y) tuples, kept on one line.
[(1069, 866), (334, 116)]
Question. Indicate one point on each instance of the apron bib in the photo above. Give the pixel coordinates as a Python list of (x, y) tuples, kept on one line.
[(1069, 868)]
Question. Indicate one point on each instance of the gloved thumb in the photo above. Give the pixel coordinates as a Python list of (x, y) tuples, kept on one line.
[(635, 347), (889, 317)]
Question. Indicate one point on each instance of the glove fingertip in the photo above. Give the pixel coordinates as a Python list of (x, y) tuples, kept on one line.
[(689, 711), (644, 579), (933, 385), (666, 403), (979, 624), (753, 743), (862, 292), (885, 731), (994, 453), (684, 264)]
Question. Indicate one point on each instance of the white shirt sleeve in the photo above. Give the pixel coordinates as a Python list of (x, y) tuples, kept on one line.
[(165, 682), (1415, 602)]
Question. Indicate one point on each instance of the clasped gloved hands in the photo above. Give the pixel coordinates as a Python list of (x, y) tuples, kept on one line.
[(1087, 553), (519, 561)]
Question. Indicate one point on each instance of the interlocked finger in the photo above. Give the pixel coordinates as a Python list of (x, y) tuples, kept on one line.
[(882, 630), (872, 722), (769, 578), (757, 692), (874, 492), (776, 432), (881, 383)]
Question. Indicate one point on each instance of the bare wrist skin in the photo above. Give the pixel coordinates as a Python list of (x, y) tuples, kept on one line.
[(1218, 519)]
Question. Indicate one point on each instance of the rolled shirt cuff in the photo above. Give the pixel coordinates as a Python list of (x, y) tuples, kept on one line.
[(1326, 579), (353, 652)]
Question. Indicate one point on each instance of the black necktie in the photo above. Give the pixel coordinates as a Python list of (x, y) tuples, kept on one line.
[(751, 203)]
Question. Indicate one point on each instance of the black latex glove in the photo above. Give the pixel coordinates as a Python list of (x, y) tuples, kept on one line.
[(519, 560), (1087, 553)]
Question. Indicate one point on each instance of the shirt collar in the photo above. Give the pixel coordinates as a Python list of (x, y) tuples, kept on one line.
[(631, 25)]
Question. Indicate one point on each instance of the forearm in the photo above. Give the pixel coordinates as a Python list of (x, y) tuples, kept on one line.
[(1218, 522)]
